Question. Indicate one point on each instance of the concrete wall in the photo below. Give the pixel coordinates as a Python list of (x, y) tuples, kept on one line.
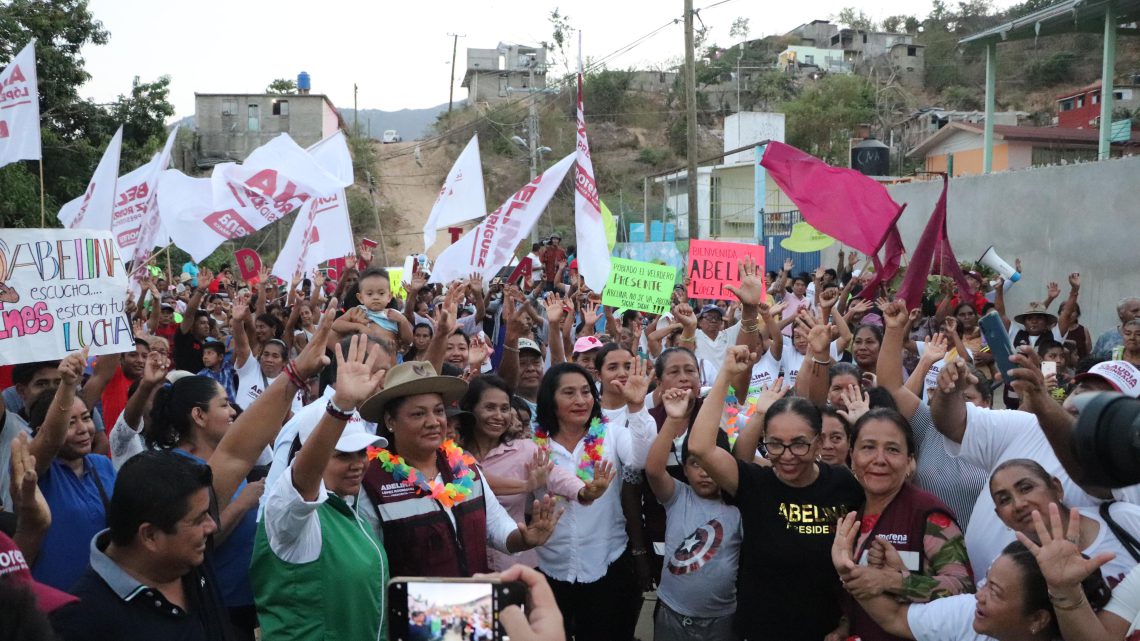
[(749, 127), (1057, 219), (229, 136)]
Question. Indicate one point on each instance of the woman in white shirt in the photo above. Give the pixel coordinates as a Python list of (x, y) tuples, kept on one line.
[(590, 572), (1021, 486), (1014, 604)]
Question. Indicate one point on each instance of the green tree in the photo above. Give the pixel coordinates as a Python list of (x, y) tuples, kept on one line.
[(855, 19), (606, 94), (825, 115), (74, 132), (739, 29), (559, 43), (282, 86)]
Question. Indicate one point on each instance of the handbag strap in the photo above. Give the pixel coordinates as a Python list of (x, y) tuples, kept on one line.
[(102, 491), (1126, 539)]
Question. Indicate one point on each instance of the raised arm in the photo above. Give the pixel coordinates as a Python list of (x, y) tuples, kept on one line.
[(934, 352), (999, 302), (948, 403), (889, 368), (814, 382), (1057, 424), (750, 293), (748, 440), (241, 339), (258, 425), (554, 311), (719, 464), (51, 434), (102, 373), (195, 303), (891, 615), (354, 382), (676, 404), (1068, 313), (1052, 291), (444, 326), (475, 293)]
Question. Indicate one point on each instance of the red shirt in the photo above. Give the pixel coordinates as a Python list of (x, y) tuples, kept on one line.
[(550, 259), (6, 376), (114, 398)]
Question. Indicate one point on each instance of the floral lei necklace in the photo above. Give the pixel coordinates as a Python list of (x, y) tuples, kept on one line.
[(730, 419), (592, 452), (447, 494)]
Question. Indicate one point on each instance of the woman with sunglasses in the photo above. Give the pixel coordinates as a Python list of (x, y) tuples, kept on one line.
[(789, 511)]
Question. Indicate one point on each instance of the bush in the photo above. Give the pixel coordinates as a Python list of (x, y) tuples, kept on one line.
[(606, 94), (961, 98), (1053, 70), (654, 157)]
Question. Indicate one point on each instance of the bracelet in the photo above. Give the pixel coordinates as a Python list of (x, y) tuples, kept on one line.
[(687, 340), (1059, 603), (290, 371), (819, 362), (338, 413)]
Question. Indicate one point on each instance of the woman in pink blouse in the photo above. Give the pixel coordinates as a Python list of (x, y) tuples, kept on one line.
[(516, 469)]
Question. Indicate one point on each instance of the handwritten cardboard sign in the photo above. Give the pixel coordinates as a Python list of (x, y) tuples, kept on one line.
[(60, 291), (642, 286), (713, 264)]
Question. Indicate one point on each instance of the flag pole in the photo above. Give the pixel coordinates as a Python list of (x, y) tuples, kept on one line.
[(42, 207)]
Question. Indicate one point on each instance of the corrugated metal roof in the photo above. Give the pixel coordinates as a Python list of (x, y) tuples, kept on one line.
[(1067, 16), (1011, 133)]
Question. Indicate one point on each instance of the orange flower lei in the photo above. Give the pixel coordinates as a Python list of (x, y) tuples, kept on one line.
[(448, 494)]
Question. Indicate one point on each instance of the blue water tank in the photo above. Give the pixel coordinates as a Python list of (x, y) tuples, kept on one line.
[(303, 82)]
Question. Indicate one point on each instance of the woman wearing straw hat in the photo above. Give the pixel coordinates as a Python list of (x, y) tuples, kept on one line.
[(437, 513)]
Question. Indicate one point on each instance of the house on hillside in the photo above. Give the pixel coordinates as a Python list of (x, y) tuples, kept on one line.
[(494, 74), (1080, 109), (926, 121), (862, 50), (803, 60), (816, 33), (957, 147), (230, 126)]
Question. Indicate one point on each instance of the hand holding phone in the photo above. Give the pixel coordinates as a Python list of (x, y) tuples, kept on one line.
[(419, 606), (997, 339)]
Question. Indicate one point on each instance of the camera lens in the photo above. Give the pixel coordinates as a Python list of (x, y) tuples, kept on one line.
[(1106, 440)]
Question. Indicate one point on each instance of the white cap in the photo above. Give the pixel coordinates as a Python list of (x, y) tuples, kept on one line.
[(1122, 375), (353, 439)]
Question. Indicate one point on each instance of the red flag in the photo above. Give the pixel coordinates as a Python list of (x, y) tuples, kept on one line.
[(842, 203), (934, 245), (885, 272)]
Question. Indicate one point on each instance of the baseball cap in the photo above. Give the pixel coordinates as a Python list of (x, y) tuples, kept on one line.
[(13, 567), (353, 439), (574, 264), (526, 343), (711, 308), (586, 344), (1121, 375), (175, 375)]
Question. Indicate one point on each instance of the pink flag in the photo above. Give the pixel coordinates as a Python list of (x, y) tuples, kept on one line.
[(884, 272), (842, 203), (934, 239)]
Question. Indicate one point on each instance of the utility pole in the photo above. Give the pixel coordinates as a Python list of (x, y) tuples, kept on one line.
[(376, 213), (532, 143), (451, 88), (355, 112), (691, 120)]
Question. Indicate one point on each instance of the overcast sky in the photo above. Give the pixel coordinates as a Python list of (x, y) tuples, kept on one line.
[(398, 53)]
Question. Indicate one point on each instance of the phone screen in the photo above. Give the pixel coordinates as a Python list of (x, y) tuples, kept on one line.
[(449, 608), (997, 339), (1048, 367)]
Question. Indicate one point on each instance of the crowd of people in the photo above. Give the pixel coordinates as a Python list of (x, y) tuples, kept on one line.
[(810, 460)]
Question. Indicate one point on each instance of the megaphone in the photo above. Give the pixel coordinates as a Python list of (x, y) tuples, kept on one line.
[(993, 261)]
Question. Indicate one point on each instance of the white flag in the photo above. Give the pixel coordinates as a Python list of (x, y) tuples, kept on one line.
[(94, 208), (322, 230), (275, 179), (151, 231), (491, 244), (590, 231), (20, 108), (461, 198), (134, 189), (237, 200)]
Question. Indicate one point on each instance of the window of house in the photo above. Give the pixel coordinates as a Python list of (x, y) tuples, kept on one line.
[(1080, 101), (1096, 99), (864, 38), (280, 107), (229, 107), (912, 51), (809, 59), (1067, 104), (254, 115)]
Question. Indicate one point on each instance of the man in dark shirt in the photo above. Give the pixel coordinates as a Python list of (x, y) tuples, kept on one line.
[(191, 337), (149, 577)]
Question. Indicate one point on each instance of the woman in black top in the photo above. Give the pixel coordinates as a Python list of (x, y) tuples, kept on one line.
[(789, 512)]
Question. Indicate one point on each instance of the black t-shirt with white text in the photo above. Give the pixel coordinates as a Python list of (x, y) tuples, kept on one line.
[(787, 586)]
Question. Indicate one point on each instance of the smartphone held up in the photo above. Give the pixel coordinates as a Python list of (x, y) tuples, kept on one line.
[(423, 609)]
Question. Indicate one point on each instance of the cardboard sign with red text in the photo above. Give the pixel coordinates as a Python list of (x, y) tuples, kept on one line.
[(714, 264), (61, 290)]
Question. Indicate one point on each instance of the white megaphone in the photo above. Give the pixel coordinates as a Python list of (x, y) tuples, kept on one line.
[(993, 261)]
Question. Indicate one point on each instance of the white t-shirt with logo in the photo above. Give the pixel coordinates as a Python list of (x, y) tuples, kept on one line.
[(252, 384), (947, 619), (792, 361)]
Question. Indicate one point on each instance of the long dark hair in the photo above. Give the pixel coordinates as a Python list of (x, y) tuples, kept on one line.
[(471, 398), (547, 415), (170, 422)]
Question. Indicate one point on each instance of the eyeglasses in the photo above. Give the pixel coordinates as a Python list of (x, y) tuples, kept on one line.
[(775, 449)]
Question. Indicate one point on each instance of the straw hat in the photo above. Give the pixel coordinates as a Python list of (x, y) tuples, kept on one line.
[(1035, 309), (409, 379)]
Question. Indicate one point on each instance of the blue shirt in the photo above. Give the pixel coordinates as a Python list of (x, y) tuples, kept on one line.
[(225, 376), (232, 558), (78, 513)]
